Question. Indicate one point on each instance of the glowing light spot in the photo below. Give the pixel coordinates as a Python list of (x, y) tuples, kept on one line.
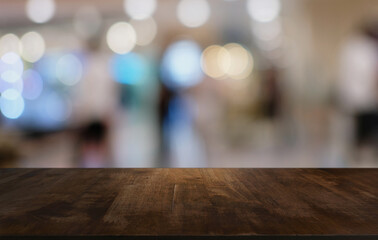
[(263, 10), (193, 13), (121, 37), (11, 104), (140, 9), (241, 61), (10, 43), (231, 61), (33, 46), (181, 65), (40, 11), (130, 68), (88, 21), (145, 31), (215, 61), (69, 69), (33, 84), (11, 67)]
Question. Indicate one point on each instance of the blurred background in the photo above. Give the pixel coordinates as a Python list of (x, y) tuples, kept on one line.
[(189, 83)]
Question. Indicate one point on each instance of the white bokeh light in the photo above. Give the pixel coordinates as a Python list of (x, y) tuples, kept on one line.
[(241, 61), (215, 61), (230, 61), (145, 29), (33, 46), (40, 11), (193, 13), (10, 43), (11, 67), (263, 10), (140, 9), (121, 37)]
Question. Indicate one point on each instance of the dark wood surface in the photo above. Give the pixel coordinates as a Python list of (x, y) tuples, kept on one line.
[(189, 202)]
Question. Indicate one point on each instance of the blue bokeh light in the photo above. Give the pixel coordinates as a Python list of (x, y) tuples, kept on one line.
[(130, 68), (11, 104), (46, 67), (181, 66), (69, 69)]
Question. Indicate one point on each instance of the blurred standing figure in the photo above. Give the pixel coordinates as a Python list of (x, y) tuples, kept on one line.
[(165, 98), (94, 111), (93, 145), (271, 94), (359, 85)]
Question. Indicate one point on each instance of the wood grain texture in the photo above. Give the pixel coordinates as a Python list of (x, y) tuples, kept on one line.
[(188, 202)]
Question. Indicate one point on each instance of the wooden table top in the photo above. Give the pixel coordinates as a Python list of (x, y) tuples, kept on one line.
[(192, 203)]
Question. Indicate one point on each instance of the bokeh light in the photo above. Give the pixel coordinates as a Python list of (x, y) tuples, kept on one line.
[(215, 61), (232, 61), (33, 46), (140, 9), (10, 43), (193, 13), (241, 61), (33, 84), (11, 67), (181, 65), (121, 37), (11, 104), (263, 10), (87, 21), (130, 68), (69, 69), (145, 29), (40, 11)]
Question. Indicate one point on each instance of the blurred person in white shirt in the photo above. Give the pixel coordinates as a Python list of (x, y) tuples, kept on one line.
[(358, 86)]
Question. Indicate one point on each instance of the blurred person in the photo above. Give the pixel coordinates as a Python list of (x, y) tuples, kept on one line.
[(181, 144), (93, 150), (359, 86), (179, 73), (271, 94), (94, 94), (165, 97)]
